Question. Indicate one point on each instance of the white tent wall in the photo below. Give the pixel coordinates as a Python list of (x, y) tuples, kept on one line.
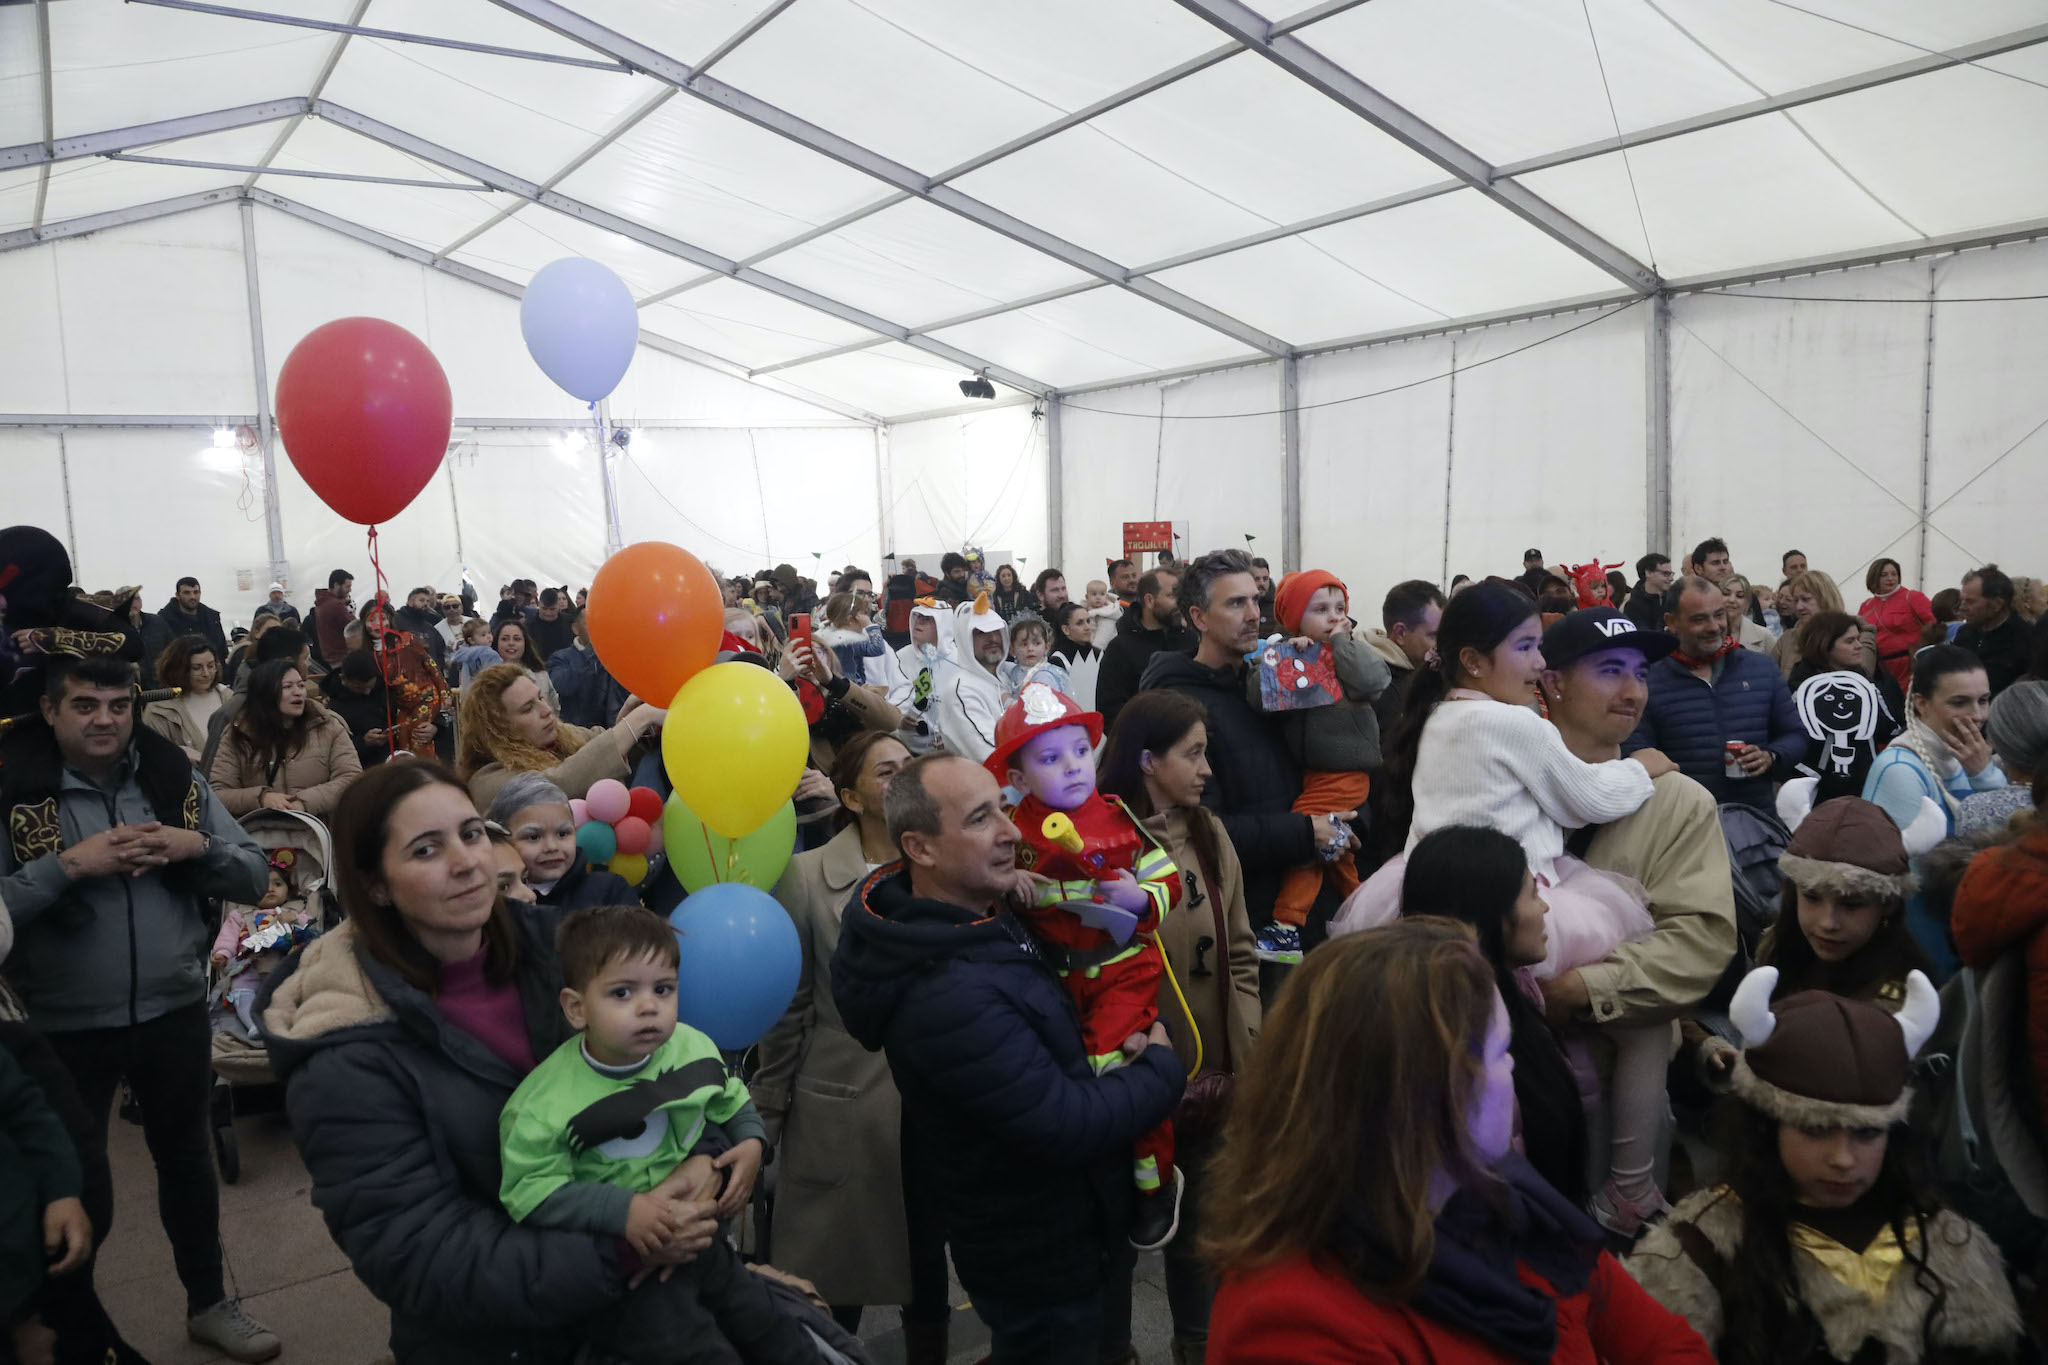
[(1174, 452), (745, 500), (977, 478)]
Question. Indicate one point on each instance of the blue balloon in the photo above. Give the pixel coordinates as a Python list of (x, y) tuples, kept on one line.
[(580, 326), (597, 841), (741, 962)]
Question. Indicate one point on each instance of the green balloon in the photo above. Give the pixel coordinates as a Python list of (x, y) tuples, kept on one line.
[(703, 857)]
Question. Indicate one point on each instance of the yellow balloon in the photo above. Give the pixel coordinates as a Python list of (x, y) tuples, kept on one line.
[(734, 745), (631, 866)]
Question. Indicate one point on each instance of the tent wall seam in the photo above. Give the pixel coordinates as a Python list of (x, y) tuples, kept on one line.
[(1926, 426)]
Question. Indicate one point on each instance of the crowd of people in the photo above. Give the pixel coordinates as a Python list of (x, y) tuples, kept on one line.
[(1548, 967)]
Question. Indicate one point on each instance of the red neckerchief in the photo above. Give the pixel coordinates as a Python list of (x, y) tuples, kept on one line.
[(1705, 667)]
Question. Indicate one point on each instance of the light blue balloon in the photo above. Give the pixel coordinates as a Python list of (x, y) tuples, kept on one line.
[(580, 326), (740, 963)]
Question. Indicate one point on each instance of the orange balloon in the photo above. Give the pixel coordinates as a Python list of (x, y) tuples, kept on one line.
[(655, 618)]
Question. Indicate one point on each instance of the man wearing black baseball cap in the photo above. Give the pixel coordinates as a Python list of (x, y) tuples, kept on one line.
[(1533, 573), (1595, 688)]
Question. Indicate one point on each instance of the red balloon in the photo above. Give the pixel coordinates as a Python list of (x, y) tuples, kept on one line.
[(645, 802), (633, 834), (364, 410)]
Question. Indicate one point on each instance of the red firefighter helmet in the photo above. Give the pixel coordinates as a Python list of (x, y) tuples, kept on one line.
[(1038, 708)]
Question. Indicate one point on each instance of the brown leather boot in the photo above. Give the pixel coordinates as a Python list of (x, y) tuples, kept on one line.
[(924, 1343)]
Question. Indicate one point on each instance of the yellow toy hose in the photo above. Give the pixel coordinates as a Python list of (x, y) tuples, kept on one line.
[(1059, 829)]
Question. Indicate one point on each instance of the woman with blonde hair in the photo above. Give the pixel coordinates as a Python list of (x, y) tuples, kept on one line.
[(750, 627), (507, 727), (1805, 596), (1746, 632), (1341, 1236)]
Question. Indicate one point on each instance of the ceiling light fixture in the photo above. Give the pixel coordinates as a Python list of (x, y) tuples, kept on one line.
[(977, 387)]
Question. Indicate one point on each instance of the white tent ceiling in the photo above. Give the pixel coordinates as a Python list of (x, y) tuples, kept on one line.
[(867, 199)]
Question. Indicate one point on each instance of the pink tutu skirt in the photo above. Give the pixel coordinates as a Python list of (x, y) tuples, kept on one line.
[(1592, 912)]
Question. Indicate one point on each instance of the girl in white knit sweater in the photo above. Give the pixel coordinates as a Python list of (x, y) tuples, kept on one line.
[(1470, 750)]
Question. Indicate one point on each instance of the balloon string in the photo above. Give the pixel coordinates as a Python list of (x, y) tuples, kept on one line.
[(377, 576)]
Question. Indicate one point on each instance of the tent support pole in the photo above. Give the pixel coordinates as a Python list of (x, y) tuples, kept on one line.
[(70, 523), (1450, 458), (1055, 486), (1290, 465), (1926, 427), (885, 500), (273, 522), (613, 541), (1657, 412)]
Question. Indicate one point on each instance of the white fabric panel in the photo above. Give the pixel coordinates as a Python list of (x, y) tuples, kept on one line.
[(532, 506), (659, 385), (688, 33), (1461, 255), (517, 248), (747, 325), (1248, 131), (1103, 334), (717, 181), (17, 195), (34, 475), (31, 354), (1797, 424), (311, 276), (1094, 191), (910, 100), (1989, 454), (416, 547), (891, 379), (1326, 298), (530, 118), (975, 479), (1548, 442), (916, 263), (1124, 460), (428, 218), (1902, 141), (21, 92), (1511, 78), (155, 317), (117, 64), (740, 500), (88, 186), (152, 506), (1372, 470), (1747, 193)]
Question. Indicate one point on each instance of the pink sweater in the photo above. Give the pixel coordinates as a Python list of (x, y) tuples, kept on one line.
[(491, 1013)]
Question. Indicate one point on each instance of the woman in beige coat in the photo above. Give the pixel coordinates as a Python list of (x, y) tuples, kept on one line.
[(506, 727), (190, 664), (283, 750), (830, 1105), (1156, 761)]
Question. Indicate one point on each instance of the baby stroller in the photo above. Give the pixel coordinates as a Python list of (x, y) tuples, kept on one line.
[(240, 1062)]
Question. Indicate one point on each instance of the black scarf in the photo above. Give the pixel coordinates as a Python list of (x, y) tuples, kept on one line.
[(32, 771), (1481, 1235)]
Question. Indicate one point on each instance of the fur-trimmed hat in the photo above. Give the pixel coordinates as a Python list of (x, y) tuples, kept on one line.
[(1849, 847), (1825, 1061)]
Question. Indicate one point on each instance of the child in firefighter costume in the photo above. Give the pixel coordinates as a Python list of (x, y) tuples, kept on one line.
[(1103, 887)]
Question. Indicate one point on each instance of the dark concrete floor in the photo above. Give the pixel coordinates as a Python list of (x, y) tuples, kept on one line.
[(294, 1280)]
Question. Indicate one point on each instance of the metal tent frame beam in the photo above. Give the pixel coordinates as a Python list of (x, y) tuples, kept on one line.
[(388, 34), (146, 134), (1312, 68), (100, 222), (400, 140), (48, 93), (711, 90)]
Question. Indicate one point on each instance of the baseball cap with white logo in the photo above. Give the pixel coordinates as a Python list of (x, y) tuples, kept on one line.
[(1593, 629)]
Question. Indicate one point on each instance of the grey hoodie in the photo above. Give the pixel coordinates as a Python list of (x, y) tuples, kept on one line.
[(110, 952)]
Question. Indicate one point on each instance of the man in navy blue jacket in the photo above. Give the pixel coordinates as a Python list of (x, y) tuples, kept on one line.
[(1023, 1148), (1712, 692)]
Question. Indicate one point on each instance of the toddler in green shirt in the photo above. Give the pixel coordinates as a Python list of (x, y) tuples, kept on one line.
[(610, 1114)]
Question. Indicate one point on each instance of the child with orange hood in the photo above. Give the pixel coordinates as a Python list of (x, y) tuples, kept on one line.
[(1322, 683)]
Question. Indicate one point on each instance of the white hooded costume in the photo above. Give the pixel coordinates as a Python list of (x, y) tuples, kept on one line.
[(967, 701), (913, 677)]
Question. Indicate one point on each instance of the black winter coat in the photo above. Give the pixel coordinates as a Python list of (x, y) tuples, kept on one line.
[(205, 623), (583, 886), (1028, 1151), (395, 1112), (1125, 658), (1255, 783)]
